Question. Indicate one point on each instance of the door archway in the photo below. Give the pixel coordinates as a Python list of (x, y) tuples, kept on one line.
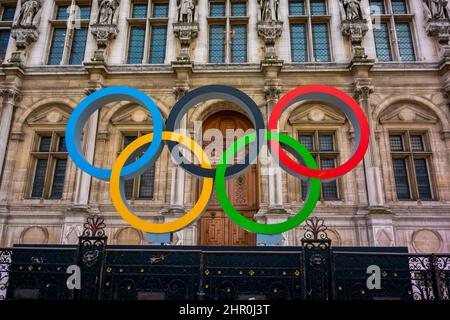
[(214, 227)]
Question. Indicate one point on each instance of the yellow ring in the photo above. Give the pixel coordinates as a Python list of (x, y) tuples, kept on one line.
[(165, 227)]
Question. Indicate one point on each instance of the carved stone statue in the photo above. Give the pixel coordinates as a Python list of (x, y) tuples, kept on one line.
[(436, 9), (107, 12), (351, 10), (186, 10), (29, 13), (268, 10)]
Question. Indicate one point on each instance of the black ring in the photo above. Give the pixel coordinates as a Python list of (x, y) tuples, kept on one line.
[(216, 92)]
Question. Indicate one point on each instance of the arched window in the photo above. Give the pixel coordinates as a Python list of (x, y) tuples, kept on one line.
[(408, 141), (411, 155), (49, 168), (132, 122), (318, 127), (49, 157)]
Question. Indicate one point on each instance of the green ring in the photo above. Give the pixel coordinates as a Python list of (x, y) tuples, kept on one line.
[(298, 218)]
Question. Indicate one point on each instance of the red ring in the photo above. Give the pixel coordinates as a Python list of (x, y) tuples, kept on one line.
[(315, 173)]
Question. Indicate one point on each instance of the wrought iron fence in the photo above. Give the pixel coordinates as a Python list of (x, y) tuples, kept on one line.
[(313, 271)]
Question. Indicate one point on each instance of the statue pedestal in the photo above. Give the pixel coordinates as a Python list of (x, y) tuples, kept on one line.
[(269, 31), (24, 36), (102, 34), (355, 31), (185, 32), (440, 28)]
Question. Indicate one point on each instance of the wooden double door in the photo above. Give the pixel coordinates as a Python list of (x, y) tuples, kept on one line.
[(215, 228)]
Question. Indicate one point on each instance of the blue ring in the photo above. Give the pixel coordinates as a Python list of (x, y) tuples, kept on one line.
[(93, 103)]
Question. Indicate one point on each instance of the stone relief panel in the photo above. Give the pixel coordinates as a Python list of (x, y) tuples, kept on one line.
[(128, 236), (34, 235), (384, 236), (426, 241)]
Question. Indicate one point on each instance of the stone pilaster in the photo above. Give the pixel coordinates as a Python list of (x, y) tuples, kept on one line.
[(75, 216), (178, 174), (272, 90), (10, 96), (372, 165), (182, 69)]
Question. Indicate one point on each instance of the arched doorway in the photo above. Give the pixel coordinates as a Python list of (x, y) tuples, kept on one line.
[(215, 228)]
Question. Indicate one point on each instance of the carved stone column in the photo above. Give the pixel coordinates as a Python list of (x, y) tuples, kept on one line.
[(178, 174), (272, 90), (363, 89), (10, 98)]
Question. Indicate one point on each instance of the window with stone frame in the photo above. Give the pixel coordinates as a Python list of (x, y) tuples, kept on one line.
[(228, 27), (322, 146), (142, 187), (411, 161), (7, 12), (49, 165), (69, 31), (393, 30), (309, 22), (147, 35)]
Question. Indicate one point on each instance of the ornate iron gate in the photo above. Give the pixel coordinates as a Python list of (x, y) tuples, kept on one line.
[(314, 271)]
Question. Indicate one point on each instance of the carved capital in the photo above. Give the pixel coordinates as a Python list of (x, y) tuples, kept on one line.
[(363, 89), (180, 91), (272, 92), (10, 95)]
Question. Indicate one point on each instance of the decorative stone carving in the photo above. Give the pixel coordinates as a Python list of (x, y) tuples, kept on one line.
[(10, 95), (185, 32), (272, 92), (436, 9), (105, 27), (25, 27), (437, 23), (354, 26)]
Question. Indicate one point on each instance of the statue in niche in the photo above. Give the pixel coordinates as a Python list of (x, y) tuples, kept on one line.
[(29, 13), (186, 10), (107, 12), (268, 9), (351, 10), (436, 9)]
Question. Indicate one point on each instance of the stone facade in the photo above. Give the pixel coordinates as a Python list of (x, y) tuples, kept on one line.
[(396, 96)]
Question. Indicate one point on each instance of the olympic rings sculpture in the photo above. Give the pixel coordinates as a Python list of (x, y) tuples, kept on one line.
[(303, 167)]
